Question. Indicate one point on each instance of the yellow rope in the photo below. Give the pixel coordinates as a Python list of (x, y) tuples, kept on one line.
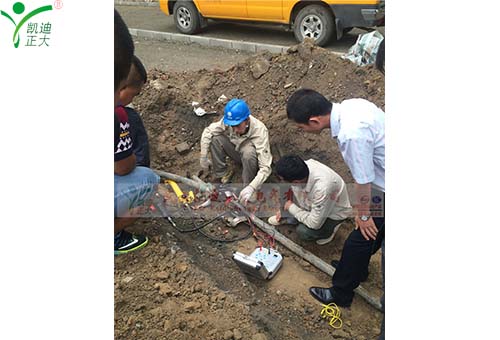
[(331, 310)]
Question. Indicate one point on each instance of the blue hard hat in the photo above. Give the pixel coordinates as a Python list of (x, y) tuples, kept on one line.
[(235, 112)]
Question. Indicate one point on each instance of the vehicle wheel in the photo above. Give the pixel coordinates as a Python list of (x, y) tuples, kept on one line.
[(186, 17), (314, 22)]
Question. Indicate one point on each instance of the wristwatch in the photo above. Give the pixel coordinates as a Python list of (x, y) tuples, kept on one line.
[(364, 218)]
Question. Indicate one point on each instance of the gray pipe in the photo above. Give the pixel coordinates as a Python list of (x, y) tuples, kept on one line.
[(292, 246), (304, 254), (202, 186)]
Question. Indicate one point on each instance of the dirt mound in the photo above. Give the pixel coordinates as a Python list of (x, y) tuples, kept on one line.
[(183, 286), (265, 81)]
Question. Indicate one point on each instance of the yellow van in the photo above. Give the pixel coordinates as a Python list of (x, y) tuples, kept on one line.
[(319, 20)]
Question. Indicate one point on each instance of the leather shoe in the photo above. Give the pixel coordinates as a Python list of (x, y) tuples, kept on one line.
[(326, 296), (335, 263)]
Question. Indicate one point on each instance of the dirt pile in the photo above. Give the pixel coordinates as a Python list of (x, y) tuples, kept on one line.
[(159, 294), (183, 286), (265, 81)]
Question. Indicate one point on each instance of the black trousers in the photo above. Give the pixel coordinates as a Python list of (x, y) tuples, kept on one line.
[(356, 254)]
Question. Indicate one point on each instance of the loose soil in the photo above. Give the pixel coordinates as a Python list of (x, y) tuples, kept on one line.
[(185, 286)]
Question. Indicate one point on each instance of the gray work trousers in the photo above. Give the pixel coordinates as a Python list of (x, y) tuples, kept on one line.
[(221, 146), (326, 230)]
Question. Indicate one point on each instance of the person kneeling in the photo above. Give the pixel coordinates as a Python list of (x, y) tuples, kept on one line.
[(243, 138), (321, 197)]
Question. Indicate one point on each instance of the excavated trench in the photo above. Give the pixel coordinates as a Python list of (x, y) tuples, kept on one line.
[(184, 285)]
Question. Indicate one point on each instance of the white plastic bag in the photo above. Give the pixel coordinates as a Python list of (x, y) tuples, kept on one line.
[(364, 51)]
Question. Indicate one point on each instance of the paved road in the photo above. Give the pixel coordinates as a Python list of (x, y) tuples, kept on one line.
[(152, 18), (176, 56)]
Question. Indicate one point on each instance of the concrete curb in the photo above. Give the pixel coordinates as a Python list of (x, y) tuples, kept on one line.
[(130, 3), (206, 41)]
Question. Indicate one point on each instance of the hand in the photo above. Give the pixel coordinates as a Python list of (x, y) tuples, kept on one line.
[(245, 194), (287, 205), (367, 229), (205, 163), (278, 215)]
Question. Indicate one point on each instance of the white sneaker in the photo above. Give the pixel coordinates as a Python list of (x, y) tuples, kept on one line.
[(273, 220), (324, 241)]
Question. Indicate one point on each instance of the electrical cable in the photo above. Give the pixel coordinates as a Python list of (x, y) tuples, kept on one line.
[(200, 227), (333, 311), (197, 227), (224, 240), (262, 237)]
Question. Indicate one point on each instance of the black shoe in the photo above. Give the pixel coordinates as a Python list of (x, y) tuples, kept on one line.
[(125, 242), (335, 264), (326, 296)]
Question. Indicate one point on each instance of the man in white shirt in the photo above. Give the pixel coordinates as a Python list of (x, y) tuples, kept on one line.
[(359, 128), (320, 195), (243, 138)]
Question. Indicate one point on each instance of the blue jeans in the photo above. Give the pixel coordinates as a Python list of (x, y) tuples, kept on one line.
[(134, 189)]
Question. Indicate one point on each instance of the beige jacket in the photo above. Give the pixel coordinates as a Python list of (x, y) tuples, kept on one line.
[(258, 136), (323, 196)]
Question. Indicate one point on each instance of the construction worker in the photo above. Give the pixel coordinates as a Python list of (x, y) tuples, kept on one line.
[(359, 127), (244, 139), (320, 195)]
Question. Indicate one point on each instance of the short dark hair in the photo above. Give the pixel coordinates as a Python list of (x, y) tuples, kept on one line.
[(124, 50), (137, 75), (380, 58), (307, 103), (292, 168), (142, 75)]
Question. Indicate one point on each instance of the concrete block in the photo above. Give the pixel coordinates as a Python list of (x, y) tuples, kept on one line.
[(166, 37), (203, 41), (180, 37), (244, 46), (162, 36), (220, 43), (270, 48), (145, 34)]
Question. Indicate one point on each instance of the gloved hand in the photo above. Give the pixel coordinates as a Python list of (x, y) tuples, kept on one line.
[(245, 194), (205, 163)]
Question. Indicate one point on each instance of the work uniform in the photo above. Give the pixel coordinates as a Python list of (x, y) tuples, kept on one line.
[(359, 127), (251, 149), (321, 204)]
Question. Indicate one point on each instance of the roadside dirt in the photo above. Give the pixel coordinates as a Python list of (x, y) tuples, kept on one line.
[(185, 286)]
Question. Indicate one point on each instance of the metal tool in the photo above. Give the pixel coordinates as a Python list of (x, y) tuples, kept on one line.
[(262, 263), (182, 197), (233, 221)]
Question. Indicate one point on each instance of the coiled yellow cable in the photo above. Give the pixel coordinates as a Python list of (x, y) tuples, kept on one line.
[(331, 310)]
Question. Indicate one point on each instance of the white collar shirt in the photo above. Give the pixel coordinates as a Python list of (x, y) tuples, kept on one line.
[(359, 126)]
